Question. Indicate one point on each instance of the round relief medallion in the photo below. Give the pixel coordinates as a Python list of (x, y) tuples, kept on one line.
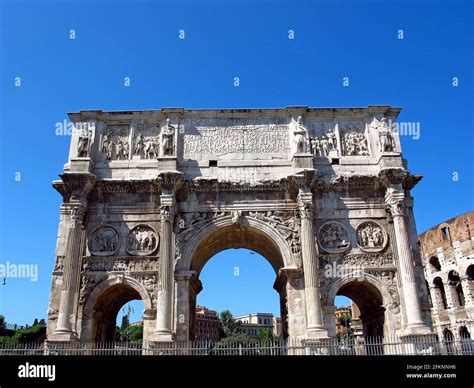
[(333, 237), (142, 240), (371, 237), (104, 241)]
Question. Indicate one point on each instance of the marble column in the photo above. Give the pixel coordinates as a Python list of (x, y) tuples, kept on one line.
[(414, 322), (165, 285), (71, 276), (314, 320)]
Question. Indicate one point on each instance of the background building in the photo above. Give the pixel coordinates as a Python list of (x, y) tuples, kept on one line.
[(207, 324), (277, 326), (340, 312), (251, 324), (448, 259)]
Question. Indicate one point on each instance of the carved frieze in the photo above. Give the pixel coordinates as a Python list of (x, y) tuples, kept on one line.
[(142, 241), (357, 260), (104, 241), (333, 237), (120, 263), (371, 237)]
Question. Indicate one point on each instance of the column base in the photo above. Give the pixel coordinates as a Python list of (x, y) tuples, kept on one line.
[(416, 329), (162, 337), (420, 343), (316, 333), (315, 346), (63, 336)]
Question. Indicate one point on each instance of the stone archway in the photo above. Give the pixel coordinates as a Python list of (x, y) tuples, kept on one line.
[(372, 301), (225, 233), (104, 303)]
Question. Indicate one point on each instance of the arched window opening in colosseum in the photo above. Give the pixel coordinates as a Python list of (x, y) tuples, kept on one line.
[(470, 272), (440, 292), (456, 287), (448, 340), (435, 265), (464, 333), (445, 233)]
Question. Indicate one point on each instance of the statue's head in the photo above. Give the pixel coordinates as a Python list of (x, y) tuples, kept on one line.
[(300, 120), (168, 121)]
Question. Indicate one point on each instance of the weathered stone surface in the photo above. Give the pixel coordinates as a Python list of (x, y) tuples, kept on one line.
[(151, 196)]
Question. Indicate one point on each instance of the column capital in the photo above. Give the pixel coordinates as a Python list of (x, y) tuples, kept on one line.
[(75, 187), (395, 199), (305, 204), (170, 181)]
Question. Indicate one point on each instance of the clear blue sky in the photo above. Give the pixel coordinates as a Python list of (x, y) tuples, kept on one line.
[(333, 39)]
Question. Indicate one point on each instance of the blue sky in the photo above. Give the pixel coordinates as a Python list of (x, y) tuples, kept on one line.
[(249, 40)]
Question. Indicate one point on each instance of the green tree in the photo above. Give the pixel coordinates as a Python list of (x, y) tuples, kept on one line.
[(3, 325), (228, 326), (345, 320), (125, 323), (35, 322), (265, 334), (135, 333)]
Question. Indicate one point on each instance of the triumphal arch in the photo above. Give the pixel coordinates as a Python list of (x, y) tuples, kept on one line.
[(150, 196)]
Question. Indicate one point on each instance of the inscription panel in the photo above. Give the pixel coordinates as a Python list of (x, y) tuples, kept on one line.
[(226, 138)]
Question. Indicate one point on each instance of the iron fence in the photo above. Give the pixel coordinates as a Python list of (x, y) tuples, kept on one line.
[(373, 346)]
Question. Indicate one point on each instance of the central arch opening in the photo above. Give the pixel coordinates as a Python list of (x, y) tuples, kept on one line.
[(239, 278)]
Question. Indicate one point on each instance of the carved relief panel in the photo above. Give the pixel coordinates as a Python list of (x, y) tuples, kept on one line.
[(371, 237), (142, 241), (115, 143), (146, 140), (354, 140), (104, 241), (333, 237), (324, 138)]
